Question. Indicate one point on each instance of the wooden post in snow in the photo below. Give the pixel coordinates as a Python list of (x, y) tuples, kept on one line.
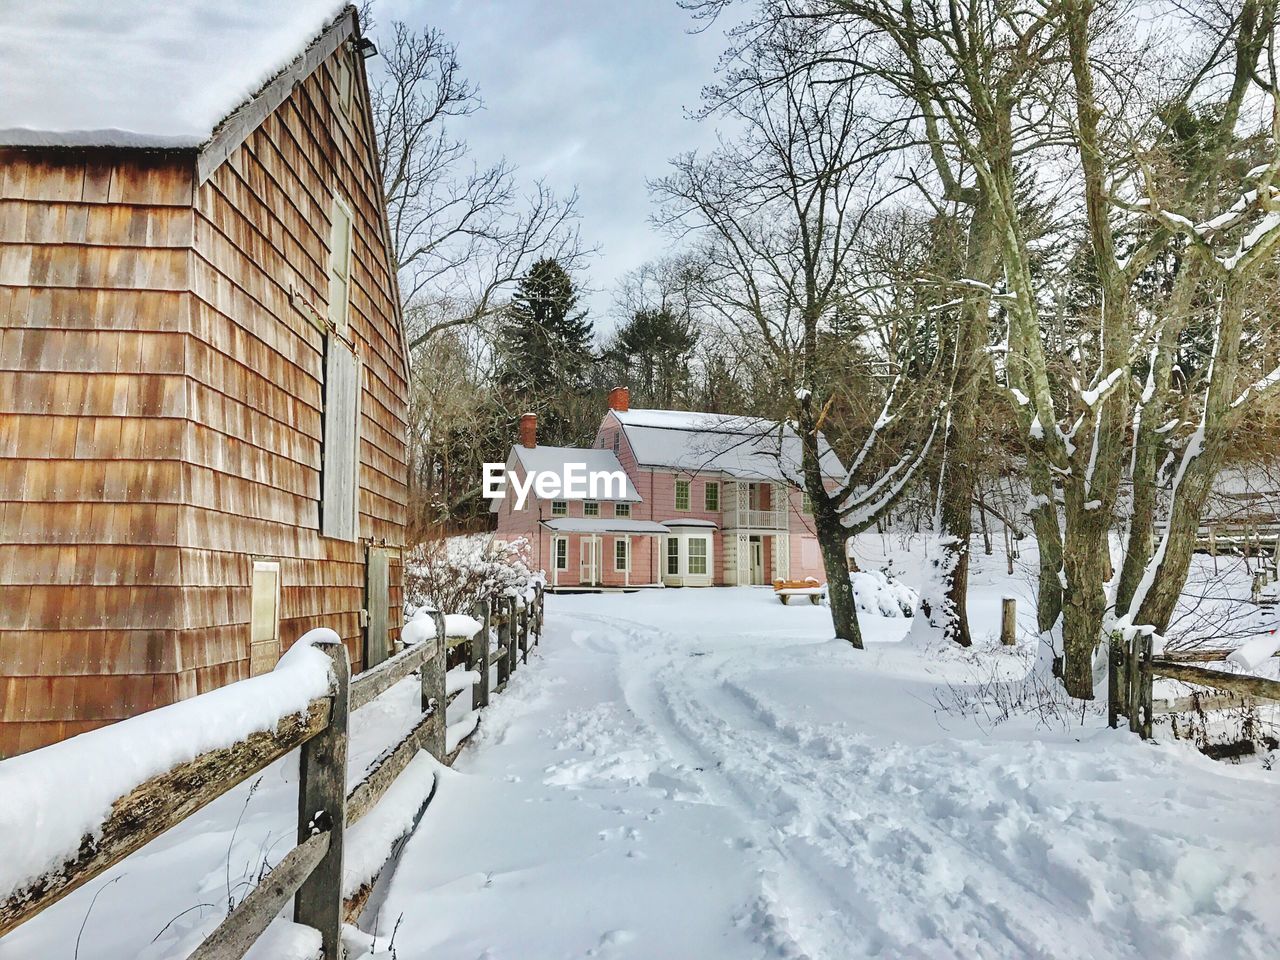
[(1132, 677), (433, 696), (513, 632), (1009, 621), (1146, 681), (480, 656), (322, 798), (1115, 678), (524, 631), (504, 640)]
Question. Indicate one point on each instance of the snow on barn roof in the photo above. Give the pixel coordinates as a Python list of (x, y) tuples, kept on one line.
[(555, 459), (746, 448), (142, 73)]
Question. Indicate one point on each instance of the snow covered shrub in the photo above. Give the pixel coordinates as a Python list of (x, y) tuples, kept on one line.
[(452, 573), (876, 592)]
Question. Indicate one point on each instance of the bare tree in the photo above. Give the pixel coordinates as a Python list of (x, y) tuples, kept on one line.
[(1216, 203), (462, 233), (779, 210)]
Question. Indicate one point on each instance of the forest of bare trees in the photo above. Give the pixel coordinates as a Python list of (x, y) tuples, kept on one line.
[(1018, 264)]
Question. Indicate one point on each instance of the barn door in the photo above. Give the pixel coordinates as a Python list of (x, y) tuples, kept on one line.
[(377, 601), (341, 442)]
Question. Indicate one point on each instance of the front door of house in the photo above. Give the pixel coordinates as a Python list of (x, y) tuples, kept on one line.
[(589, 571), (757, 560)]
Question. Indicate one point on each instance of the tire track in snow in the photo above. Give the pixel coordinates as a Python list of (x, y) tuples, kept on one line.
[(882, 849)]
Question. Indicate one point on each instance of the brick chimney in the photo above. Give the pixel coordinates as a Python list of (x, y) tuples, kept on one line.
[(529, 430), (620, 399)]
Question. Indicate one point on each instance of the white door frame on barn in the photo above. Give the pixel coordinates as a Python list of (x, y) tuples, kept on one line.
[(377, 603)]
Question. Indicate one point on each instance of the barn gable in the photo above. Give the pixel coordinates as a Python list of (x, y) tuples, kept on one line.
[(165, 337)]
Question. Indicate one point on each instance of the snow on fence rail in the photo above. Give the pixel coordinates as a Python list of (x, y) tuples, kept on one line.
[(200, 748), (1134, 667)]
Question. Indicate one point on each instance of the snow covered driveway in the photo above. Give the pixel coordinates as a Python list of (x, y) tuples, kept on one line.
[(702, 774)]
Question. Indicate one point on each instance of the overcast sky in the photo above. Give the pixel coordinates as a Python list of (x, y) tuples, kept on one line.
[(592, 93)]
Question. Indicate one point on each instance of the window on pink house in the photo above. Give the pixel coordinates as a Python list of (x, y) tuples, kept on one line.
[(561, 547), (622, 509), (682, 494), (559, 508), (697, 556)]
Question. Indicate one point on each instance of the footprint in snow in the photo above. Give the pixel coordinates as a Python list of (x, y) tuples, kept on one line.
[(613, 938)]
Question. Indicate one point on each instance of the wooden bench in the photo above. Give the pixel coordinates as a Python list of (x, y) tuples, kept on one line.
[(809, 587)]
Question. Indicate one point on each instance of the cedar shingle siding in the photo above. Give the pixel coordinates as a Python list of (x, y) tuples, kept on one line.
[(162, 410)]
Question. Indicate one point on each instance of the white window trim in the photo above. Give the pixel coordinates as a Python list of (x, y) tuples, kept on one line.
[(706, 487), (624, 507), (273, 567), (556, 543), (594, 503), (688, 500), (340, 322), (706, 557), (626, 555), (558, 513), (681, 540)]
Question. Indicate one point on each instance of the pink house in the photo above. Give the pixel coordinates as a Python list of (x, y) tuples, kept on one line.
[(708, 500)]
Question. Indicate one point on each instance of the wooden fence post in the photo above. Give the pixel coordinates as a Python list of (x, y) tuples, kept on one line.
[(433, 696), (513, 636), (524, 629), (322, 797), (1008, 621), (504, 639), (1115, 678), (1132, 678), (480, 656), (1145, 684)]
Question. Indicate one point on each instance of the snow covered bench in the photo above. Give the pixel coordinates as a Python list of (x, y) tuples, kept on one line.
[(809, 587)]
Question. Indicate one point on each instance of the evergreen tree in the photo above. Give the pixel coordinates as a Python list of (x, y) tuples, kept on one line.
[(544, 347), (651, 352)]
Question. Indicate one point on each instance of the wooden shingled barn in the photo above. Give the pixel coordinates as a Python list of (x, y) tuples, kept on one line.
[(203, 372)]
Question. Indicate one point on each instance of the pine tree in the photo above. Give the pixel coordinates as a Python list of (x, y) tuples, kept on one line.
[(544, 345), (652, 351)]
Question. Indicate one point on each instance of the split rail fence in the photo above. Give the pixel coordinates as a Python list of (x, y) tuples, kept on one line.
[(1131, 682), (311, 874)]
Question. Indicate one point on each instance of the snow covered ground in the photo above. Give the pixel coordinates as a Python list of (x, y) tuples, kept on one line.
[(702, 773)]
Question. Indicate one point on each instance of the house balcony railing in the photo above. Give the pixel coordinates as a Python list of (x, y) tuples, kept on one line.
[(756, 519)]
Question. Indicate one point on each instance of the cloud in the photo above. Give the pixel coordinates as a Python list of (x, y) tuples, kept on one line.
[(587, 94)]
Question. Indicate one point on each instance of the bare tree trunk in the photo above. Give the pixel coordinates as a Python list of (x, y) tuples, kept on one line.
[(1149, 445), (959, 475), (832, 536), (1166, 575), (1044, 520)]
